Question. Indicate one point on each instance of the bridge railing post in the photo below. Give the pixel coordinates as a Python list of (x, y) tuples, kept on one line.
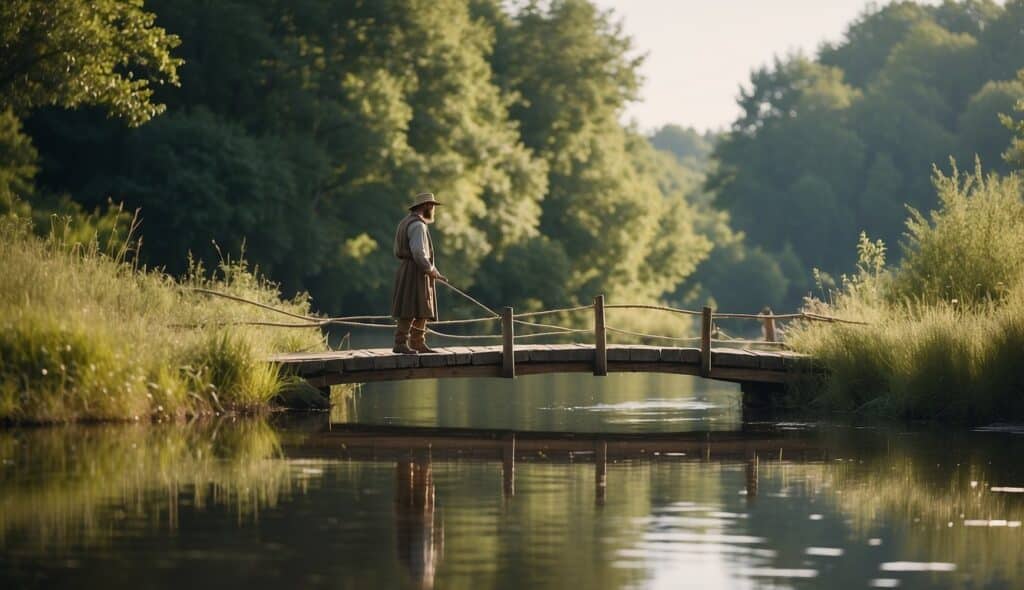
[(769, 324), (705, 342), (508, 352), (600, 338)]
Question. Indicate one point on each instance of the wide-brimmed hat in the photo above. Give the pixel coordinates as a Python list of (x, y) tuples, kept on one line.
[(422, 199)]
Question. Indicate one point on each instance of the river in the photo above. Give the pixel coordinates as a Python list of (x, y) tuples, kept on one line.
[(490, 493)]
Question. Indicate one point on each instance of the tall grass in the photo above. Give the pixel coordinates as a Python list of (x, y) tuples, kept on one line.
[(87, 335), (945, 330)]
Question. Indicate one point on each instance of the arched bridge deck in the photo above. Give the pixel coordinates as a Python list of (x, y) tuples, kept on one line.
[(739, 365)]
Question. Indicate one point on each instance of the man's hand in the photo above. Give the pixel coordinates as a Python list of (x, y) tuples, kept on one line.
[(438, 276)]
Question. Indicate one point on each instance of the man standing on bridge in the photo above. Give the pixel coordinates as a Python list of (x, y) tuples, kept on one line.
[(414, 299)]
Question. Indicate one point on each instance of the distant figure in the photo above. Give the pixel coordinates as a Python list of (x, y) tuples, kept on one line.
[(414, 299)]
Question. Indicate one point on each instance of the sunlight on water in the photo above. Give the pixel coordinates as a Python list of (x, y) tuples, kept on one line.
[(319, 501)]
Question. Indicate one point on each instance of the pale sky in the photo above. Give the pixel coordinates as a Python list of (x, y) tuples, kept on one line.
[(699, 52)]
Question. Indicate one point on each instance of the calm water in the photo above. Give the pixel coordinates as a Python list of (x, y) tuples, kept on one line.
[(313, 501)]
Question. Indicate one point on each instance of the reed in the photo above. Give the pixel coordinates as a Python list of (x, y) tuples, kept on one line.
[(945, 328), (86, 334)]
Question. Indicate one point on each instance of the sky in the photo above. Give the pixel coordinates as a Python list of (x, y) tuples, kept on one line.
[(699, 52)]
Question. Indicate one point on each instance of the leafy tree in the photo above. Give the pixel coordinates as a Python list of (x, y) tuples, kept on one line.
[(1015, 154), (826, 147), (981, 132), (18, 167), (687, 144), (74, 52)]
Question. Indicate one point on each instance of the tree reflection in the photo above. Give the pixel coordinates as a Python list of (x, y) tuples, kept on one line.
[(69, 484)]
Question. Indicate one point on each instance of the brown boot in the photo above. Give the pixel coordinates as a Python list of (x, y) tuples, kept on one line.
[(402, 337), (418, 337)]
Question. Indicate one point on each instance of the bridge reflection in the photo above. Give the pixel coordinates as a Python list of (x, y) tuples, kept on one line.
[(414, 448)]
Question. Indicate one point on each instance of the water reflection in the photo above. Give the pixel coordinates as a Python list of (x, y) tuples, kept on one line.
[(73, 484), (420, 539), (307, 502)]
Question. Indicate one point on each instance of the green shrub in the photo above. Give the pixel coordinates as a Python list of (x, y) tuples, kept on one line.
[(944, 332), (85, 334)]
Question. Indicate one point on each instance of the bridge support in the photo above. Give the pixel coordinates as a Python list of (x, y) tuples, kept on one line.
[(769, 324), (508, 351), (759, 399), (705, 342), (600, 338)]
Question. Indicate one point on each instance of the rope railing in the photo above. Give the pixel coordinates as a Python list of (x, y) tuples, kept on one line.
[(531, 314), (654, 307), (709, 334)]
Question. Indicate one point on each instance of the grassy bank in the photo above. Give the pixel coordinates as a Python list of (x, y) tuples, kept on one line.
[(86, 335), (944, 333)]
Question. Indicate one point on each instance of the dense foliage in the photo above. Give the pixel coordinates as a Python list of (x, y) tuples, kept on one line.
[(301, 129), (827, 147)]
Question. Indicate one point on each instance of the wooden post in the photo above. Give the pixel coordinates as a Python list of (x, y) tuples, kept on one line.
[(508, 352), (600, 338), (769, 324), (705, 343)]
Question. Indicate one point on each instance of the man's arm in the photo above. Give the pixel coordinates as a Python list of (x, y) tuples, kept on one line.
[(418, 245)]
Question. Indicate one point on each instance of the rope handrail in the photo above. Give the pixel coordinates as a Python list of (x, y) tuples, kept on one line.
[(555, 326), (495, 336), (643, 335), (786, 316), (655, 307), (552, 311)]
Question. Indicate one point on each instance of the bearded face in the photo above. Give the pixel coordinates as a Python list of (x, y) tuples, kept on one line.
[(427, 213)]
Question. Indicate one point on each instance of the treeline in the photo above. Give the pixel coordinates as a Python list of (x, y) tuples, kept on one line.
[(296, 131), (301, 128), (830, 146)]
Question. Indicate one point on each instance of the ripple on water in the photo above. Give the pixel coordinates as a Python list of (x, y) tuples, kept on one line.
[(650, 406), (917, 566)]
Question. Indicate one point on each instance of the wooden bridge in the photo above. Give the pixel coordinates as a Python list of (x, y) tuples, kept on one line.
[(745, 362)]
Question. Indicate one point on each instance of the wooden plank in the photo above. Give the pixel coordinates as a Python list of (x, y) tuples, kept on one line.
[(544, 353), (732, 357), (334, 365), (486, 357), (644, 354), (461, 355), (405, 374), (438, 359), (546, 368), (618, 353), (739, 375), (689, 356), (305, 368), (522, 353), (769, 361), (645, 367), (578, 352), (386, 362), (360, 361)]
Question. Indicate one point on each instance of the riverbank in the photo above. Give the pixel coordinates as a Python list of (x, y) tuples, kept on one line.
[(943, 333), (86, 334)]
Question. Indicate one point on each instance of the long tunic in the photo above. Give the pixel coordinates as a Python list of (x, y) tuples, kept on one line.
[(414, 294)]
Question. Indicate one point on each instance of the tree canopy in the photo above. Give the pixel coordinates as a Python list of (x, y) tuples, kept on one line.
[(301, 129), (830, 146)]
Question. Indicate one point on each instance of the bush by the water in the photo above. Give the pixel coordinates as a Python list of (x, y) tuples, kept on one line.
[(87, 335), (945, 329)]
